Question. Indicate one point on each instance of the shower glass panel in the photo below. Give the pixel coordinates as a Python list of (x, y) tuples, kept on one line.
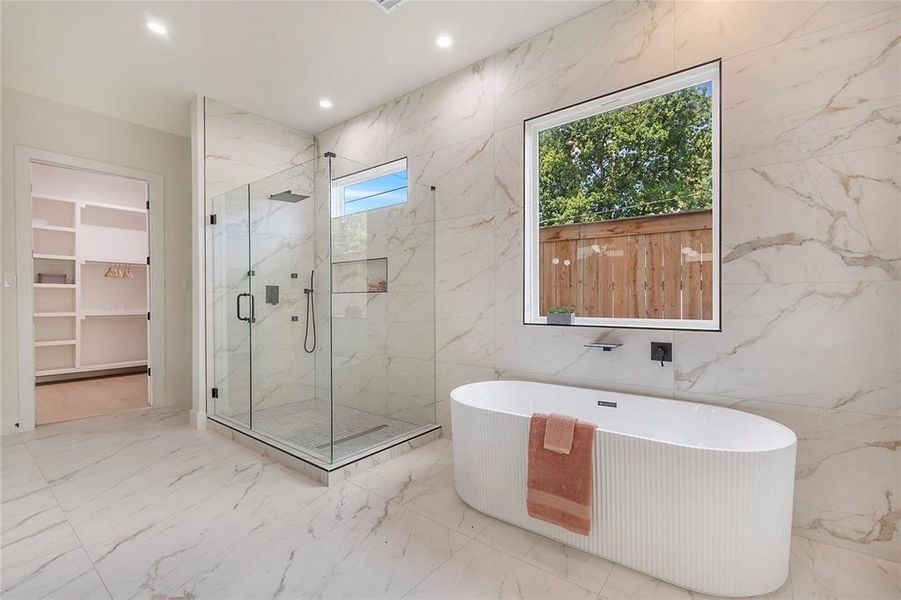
[(228, 292), (383, 305), (285, 405), (321, 309)]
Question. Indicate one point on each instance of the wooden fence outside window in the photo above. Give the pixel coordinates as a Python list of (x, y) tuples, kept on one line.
[(648, 267)]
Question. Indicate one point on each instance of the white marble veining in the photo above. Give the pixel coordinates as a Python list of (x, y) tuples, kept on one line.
[(705, 29), (361, 139), (832, 218), (140, 506), (810, 230), (450, 110), (463, 175), (616, 46), (827, 92), (837, 346), (861, 452)]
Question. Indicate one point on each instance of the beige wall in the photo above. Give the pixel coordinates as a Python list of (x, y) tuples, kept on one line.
[(810, 196), (46, 125)]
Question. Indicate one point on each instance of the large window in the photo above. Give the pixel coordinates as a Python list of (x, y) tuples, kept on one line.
[(371, 189), (622, 208)]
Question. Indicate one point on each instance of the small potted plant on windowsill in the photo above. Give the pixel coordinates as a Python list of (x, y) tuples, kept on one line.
[(560, 315)]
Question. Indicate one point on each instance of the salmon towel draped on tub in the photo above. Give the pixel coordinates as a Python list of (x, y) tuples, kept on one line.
[(560, 484)]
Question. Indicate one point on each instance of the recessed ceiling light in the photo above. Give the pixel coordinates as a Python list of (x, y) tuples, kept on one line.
[(325, 103), (444, 41), (157, 28)]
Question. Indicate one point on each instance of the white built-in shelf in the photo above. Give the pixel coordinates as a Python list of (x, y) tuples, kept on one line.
[(46, 343), (100, 323), (55, 198), (96, 367), (114, 365), (43, 227), (113, 313), (131, 261), (64, 371), (54, 256), (107, 205)]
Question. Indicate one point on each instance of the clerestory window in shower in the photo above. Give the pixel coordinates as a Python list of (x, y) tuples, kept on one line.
[(370, 189)]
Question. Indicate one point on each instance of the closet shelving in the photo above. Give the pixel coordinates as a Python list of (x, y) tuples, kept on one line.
[(91, 322)]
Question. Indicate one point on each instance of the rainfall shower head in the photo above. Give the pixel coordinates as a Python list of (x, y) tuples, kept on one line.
[(288, 196)]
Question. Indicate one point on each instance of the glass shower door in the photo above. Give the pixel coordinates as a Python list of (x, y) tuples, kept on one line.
[(230, 307), (263, 342)]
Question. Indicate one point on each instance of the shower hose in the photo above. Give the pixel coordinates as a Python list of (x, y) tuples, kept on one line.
[(311, 318)]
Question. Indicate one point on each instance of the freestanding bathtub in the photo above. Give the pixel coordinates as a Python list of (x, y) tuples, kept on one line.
[(696, 495)]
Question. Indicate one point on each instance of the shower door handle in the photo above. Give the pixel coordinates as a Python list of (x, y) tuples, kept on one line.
[(238, 307)]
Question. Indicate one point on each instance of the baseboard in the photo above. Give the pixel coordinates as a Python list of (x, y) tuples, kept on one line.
[(9, 427), (197, 419)]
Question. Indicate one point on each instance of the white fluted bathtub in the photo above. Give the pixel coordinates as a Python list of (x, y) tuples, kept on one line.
[(697, 495)]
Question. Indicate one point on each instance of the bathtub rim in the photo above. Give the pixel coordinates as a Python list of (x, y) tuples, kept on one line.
[(793, 437)]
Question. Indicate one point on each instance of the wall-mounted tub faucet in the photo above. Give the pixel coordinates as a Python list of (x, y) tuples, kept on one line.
[(603, 346)]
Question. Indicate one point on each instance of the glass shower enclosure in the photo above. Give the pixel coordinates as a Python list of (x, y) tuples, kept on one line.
[(321, 309)]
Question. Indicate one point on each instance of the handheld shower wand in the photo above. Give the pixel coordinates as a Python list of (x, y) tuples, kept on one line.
[(311, 317)]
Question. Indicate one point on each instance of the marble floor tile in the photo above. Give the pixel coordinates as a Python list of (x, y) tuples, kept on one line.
[(62, 572), (480, 571), (575, 566), (392, 479), (823, 571), (143, 507), (626, 584), (358, 546), (11, 439), (40, 555), (436, 498), (21, 475)]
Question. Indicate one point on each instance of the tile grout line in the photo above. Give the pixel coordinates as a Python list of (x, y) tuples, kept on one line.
[(790, 37), (541, 568), (435, 570), (752, 167), (68, 522), (409, 509), (394, 501)]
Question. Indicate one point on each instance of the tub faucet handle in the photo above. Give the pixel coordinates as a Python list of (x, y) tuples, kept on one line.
[(662, 351)]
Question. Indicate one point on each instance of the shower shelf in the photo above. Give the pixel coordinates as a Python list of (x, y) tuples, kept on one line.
[(361, 276), (359, 260)]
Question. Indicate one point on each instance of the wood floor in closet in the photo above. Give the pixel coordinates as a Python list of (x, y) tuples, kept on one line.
[(70, 400)]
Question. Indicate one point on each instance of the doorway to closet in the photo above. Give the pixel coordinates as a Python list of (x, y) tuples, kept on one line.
[(91, 291)]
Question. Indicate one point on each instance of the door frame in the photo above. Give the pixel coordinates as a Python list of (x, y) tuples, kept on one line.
[(24, 157)]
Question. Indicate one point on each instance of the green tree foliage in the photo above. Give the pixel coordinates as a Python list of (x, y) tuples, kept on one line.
[(648, 158)]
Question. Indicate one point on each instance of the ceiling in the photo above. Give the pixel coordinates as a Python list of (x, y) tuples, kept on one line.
[(276, 59)]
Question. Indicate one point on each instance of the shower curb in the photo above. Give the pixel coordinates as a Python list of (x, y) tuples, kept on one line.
[(325, 475)]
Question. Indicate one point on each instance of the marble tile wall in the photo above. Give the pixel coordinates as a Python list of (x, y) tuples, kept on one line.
[(247, 159), (811, 199)]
